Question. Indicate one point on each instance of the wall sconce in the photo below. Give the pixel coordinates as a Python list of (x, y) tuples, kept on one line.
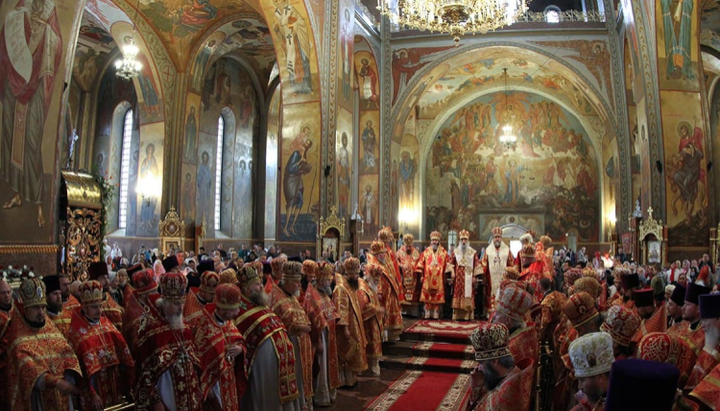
[(149, 187)]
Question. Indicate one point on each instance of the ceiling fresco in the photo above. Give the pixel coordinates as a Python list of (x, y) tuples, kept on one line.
[(94, 47), (710, 26), (466, 76), (248, 38)]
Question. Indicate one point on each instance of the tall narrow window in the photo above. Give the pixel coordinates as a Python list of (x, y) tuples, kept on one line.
[(218, 170), (125, 167)]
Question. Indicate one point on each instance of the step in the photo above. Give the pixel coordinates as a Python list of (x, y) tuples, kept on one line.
[(449, 365), (429, 349), (452, 332)]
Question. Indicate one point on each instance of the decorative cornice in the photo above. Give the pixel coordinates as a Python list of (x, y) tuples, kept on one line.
[(29, 249), (385, 122)]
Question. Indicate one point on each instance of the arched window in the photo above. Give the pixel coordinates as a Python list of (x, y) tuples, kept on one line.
[(552, 14), (218, 169), (125, 168)]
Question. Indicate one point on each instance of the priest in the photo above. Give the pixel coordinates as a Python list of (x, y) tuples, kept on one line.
[(107, 366), (136, 303), (380, 266), (407, 258), (55, 308), (372, 313), (496, 259), (388, 238), (170, 380), (111, 309), (199, 297), (220, 348), (323, 316), (42, 368), (284, 303), (351, 333), (465, 269), (432, 266), (269, 356)]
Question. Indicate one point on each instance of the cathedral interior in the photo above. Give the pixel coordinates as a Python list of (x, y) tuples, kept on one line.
[(261, 121)]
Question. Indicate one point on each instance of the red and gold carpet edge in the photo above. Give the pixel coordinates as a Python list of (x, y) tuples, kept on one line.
[(424, 390)]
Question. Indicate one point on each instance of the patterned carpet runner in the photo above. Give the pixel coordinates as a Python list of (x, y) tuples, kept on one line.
[(437, 358)]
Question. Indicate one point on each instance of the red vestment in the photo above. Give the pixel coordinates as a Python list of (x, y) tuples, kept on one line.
[(524, 343), (112, 310), (396, 270), (134, 311), (162, 349), (193, 307), (291, 313), (211, 341), (322, 313), (432, 266), (407, 259), (32, 354), (257, 324), (71, 304), (512, 394), (101, 350), (350, 350), (389, 293), (708, 391), (372, 318)]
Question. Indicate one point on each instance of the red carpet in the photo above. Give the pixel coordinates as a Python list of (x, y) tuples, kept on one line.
[(423, 390), (440, 350), (443, 328)]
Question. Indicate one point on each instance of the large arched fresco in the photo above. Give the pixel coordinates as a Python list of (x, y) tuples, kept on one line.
[(549, 183)]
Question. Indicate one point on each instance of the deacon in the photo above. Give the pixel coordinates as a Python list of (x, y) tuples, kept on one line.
[(351, 339), (389, 290), (284, 303), (654, 319), (171, 379), (465, 268), (708, 357), (69, 301), (496, 259), (111, 309), (691, 329), (323, 317), (269, 356), (498, 382), (107, 366), (42, 368), (219, 347), (407, 258), (199, 297), (592, 359), (60, 317), (674, 307), (372, 313), (432, 267)]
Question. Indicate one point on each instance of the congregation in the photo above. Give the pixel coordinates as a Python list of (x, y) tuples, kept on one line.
[(256, 330)]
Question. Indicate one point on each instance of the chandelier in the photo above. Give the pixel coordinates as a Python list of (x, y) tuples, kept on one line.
[(128, 66), (507, 138), (456, 17)]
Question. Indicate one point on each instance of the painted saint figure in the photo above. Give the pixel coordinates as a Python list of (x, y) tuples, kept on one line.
[(293, 29), (369, 86), (369, 140), (190, 136), (369, 208), (408, 168), (343, 174), (678, 46), (148, 172), (204, 186), (293, 187), (346, 53), (30, 54)]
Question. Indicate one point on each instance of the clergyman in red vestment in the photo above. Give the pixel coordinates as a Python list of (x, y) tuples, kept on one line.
[(169, 368), (465, 267), (498, 383), (432, 266), (41, 365), (108, 368), (219, 346)]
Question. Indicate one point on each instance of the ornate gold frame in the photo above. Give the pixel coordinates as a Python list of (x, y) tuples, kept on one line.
[(171, 231), (655, 228), (329, 223)]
